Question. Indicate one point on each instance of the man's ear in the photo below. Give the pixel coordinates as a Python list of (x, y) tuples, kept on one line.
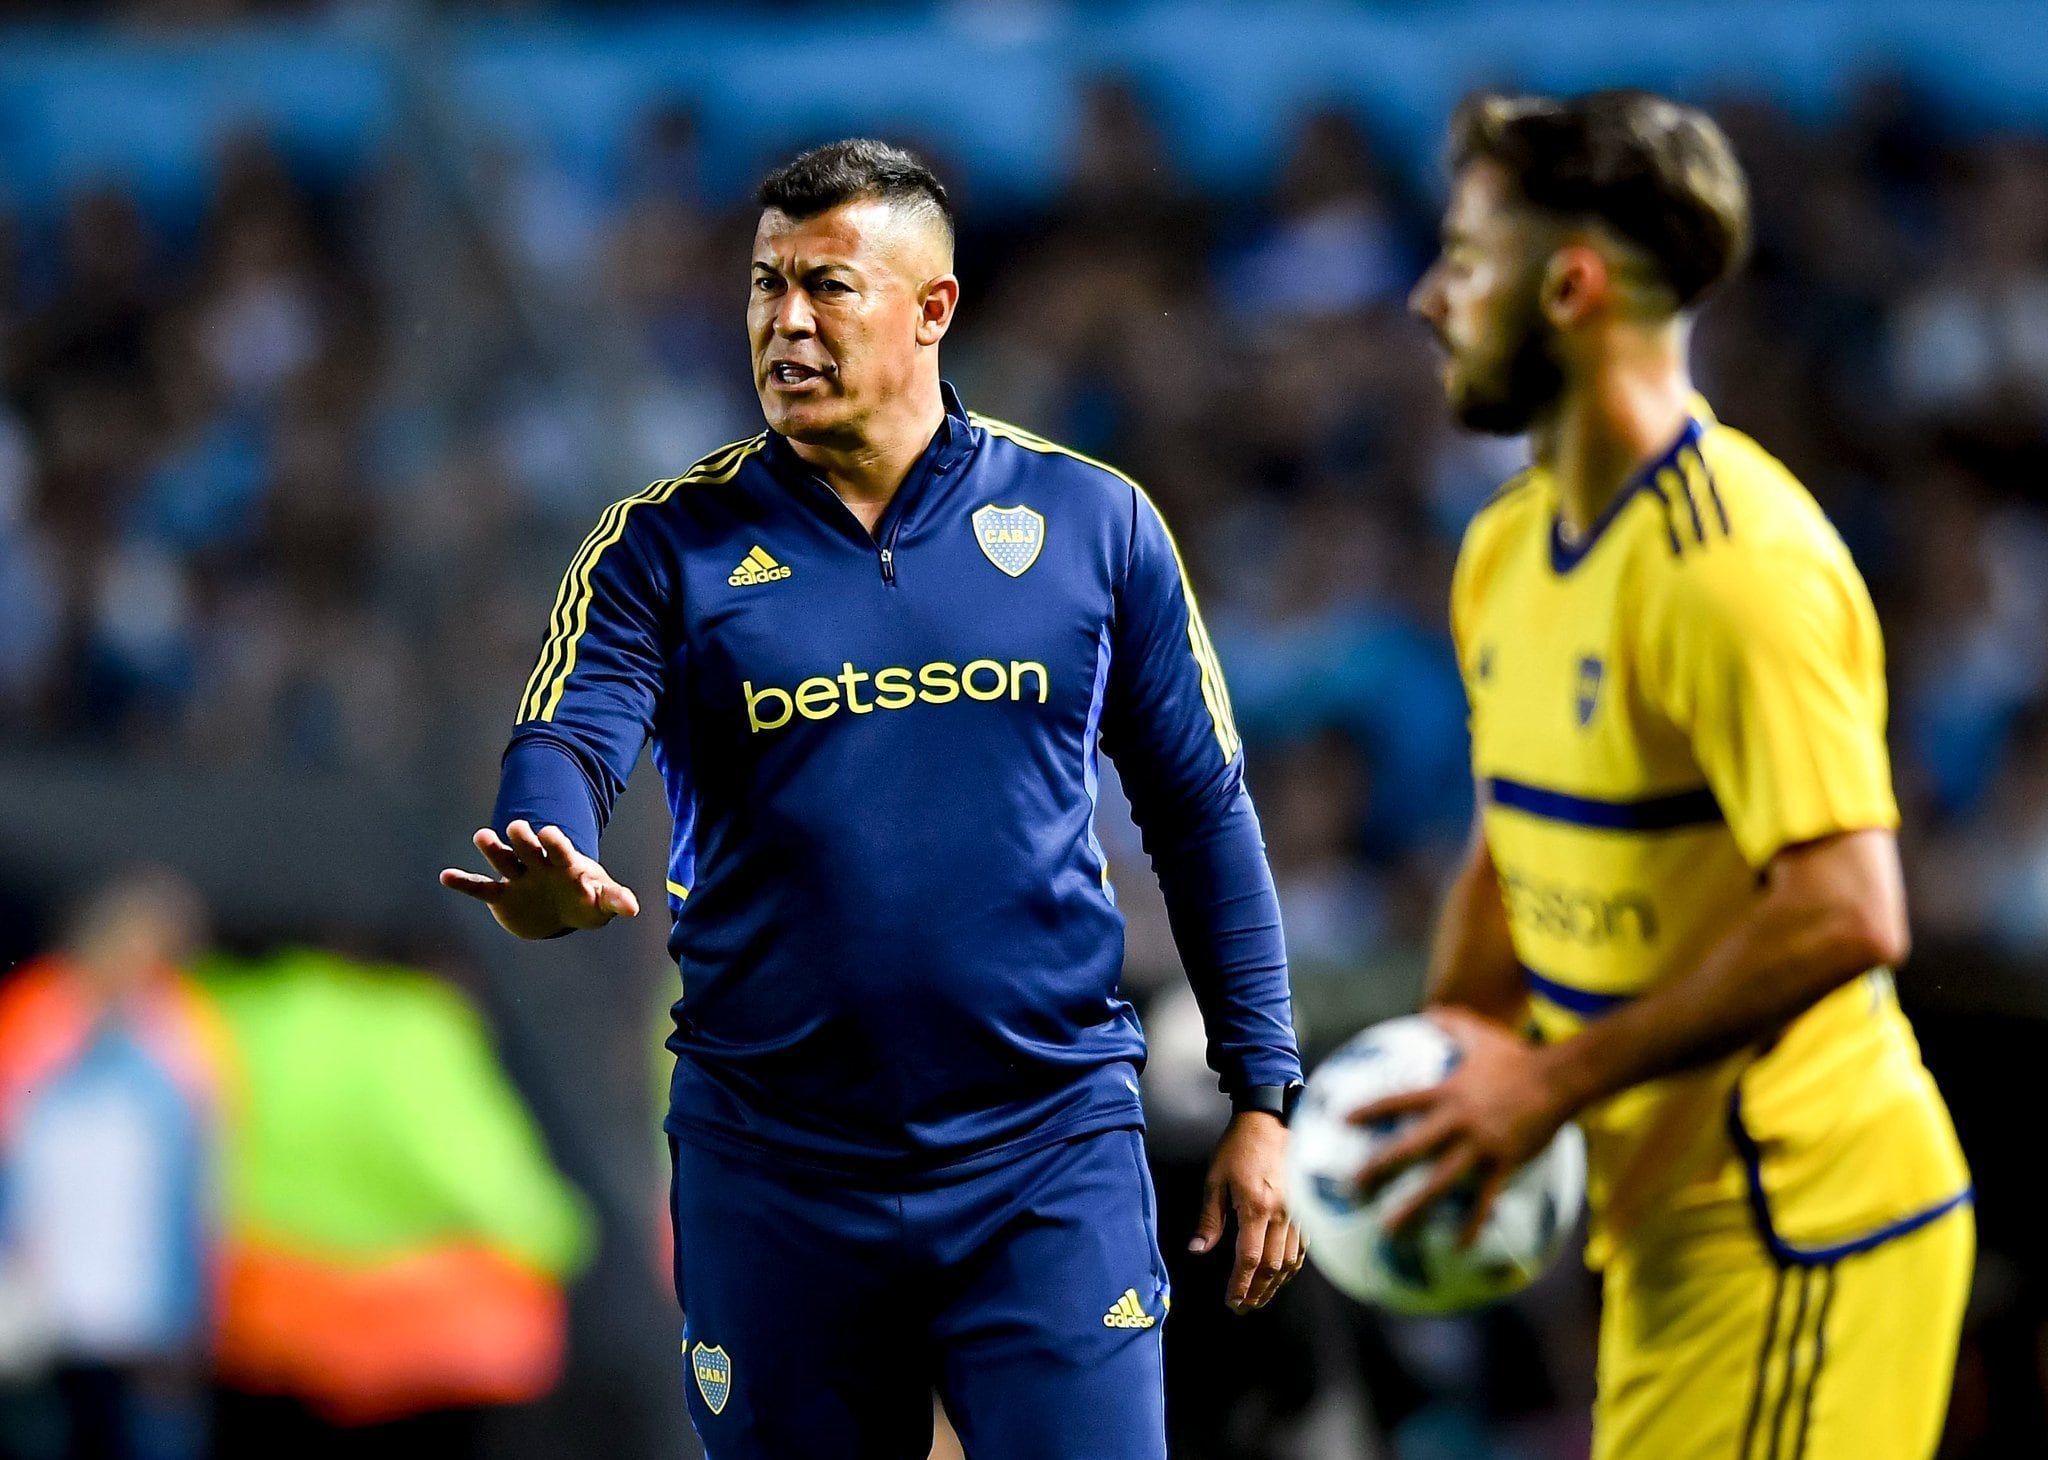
[(1576, 283), (935, 306)]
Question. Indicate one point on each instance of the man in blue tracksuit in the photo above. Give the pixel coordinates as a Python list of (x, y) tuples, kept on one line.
[(875, 648)]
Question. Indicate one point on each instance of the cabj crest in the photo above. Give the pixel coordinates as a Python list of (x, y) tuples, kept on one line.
[(713, 1367), (1591, 672), (1009, 537)]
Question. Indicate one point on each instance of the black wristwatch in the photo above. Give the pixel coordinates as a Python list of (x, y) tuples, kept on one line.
[(1277, 1100)]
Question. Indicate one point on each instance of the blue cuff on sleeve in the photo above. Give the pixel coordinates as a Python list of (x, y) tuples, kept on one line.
[(542, 782)]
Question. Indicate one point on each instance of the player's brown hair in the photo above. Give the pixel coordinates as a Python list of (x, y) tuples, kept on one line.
[(1661, 175)]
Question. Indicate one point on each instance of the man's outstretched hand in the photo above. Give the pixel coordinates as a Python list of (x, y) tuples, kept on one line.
[(544, 885), (1245, 1180)]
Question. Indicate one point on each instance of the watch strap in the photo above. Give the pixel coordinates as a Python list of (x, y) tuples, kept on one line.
[(1275, 1100)]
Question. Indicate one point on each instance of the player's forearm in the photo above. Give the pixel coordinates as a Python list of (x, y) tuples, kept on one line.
[(542, 781), (1813, 929), (1225, 916), (1472, 956)]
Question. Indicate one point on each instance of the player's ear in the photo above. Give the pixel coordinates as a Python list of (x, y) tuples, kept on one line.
[(1576, 282), (935, 305)]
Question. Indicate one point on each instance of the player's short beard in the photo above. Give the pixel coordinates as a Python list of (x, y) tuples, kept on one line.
[(1506, 399)]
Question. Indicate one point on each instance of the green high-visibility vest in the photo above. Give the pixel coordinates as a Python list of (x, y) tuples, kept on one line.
[(372, 1118)]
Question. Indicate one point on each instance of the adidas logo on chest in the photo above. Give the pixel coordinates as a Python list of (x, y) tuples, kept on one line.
[(757, 567)]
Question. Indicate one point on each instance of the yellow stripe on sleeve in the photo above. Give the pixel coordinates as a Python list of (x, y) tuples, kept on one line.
[(681, 892), (558, 616), (1215, 694), (571, 615), (585, 591), (558, 622)]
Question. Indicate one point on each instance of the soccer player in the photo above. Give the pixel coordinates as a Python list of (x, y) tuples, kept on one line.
[(874, 648), (1684, 874)]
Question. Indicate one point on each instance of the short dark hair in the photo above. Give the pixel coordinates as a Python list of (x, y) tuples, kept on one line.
[(1661, 175), (856, 169)]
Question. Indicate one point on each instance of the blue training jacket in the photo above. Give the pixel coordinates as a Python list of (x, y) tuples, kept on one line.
[(900, 950)]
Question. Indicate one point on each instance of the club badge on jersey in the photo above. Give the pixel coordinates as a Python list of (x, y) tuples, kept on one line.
[(1591, 672), (713, 1367), (1010, 537)]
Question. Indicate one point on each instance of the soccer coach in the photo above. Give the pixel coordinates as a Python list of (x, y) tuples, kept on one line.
[(875, 648)]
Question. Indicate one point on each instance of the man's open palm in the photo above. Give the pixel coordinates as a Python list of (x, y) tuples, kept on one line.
[(544, 885)]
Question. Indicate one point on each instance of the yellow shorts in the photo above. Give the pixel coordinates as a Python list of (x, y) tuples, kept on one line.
[(1711, 1350)]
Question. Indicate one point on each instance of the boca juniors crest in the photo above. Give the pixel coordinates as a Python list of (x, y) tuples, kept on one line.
[(1591, 672), (1009, 537), (713, 1367)]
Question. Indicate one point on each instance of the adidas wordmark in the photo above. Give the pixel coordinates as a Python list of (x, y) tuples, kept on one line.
[(757, 567), (1128, 1312)]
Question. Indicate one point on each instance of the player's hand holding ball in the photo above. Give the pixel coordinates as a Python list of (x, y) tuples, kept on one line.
[(1489, 1116), (1390, 1225), (544, 885)]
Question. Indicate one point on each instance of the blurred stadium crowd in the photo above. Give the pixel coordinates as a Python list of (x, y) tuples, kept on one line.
[(253, 506), (281, 484)]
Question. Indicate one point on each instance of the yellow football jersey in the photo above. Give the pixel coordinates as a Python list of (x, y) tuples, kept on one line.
[(1658, 708)]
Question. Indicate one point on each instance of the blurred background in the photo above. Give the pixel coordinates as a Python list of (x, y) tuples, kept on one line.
[(326, 330)]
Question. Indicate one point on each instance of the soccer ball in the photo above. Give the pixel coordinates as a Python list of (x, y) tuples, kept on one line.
[(1422, 1269)]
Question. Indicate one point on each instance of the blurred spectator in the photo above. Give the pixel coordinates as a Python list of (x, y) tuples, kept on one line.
[(548, 223), (1976, 335), (93, 333), (30, 593), (1334, 242), (306, 1175), (257, 322), (1314, 795), (1124, 182), (110, 1082), (398, 1239)]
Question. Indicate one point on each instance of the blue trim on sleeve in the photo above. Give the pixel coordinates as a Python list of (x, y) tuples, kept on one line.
[(1671, 812), (1091, 771), (1583, 1002), (1787, 1254)]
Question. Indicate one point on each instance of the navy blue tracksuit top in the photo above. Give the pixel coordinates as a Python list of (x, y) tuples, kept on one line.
[(899, 946)]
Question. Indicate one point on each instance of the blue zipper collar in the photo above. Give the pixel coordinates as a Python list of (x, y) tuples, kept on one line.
[(953, 440), (1566, 555), (951, 444)]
